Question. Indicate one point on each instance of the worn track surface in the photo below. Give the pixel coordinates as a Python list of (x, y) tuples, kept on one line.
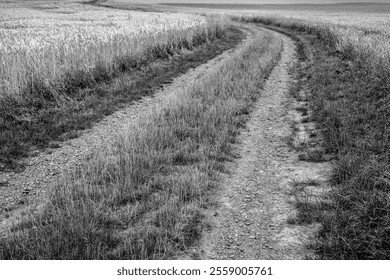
[(255, 202)]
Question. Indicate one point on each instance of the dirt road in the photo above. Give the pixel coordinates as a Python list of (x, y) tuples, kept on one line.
[(255, 201)]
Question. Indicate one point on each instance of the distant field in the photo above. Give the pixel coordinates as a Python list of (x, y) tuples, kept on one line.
[(337, 7), (364, 27), (360, 26)]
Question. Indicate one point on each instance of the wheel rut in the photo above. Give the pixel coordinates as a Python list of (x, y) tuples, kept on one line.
[(255, 202)]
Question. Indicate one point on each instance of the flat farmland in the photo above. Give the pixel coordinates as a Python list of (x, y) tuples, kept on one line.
[(194, 130)]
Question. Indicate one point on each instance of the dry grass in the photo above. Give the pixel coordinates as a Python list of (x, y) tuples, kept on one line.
[(142, 198)]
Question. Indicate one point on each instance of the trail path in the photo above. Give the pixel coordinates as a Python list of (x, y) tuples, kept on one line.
[(30, 187), (255, 202)]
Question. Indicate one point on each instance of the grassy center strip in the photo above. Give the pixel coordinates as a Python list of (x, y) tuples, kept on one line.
[(143, 197)]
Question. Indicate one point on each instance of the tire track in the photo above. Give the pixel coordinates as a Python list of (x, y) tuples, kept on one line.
[(255, 199)]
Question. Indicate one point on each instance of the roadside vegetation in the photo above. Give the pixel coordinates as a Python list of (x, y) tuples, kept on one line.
[(143, 197), (349, 92), (76, 76)]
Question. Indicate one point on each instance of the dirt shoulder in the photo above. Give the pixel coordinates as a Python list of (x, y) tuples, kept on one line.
[(256, 207)]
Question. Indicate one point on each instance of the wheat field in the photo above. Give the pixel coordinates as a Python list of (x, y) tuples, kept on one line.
[(49, 43)]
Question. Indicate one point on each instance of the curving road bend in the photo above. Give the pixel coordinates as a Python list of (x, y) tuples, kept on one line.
[(255, 201)]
